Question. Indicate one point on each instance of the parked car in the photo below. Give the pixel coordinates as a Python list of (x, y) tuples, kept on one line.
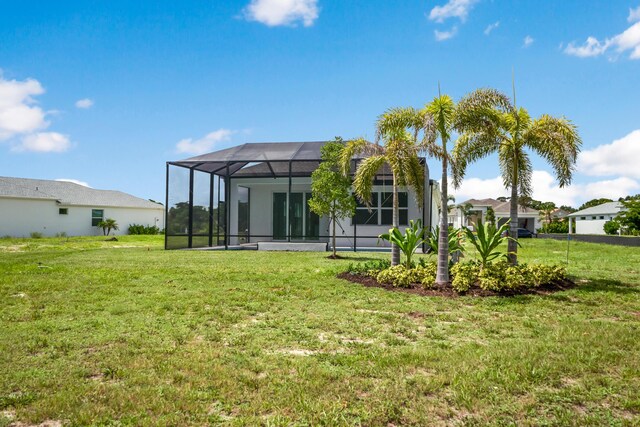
[(522, 233)]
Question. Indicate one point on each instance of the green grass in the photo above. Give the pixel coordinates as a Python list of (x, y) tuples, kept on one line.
[(125, 333)]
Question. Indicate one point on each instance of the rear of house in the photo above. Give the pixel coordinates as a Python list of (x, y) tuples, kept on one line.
[(53, 208), (268, 186)]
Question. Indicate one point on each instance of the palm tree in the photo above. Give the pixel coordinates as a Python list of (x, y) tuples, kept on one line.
[(398, 129), (439, 115), (490, 123), (107, 225)]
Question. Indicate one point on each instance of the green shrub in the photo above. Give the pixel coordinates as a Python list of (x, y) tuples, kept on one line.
[(368, 268), (36, 235), (428, 272), (465, 275), (556, 226), (143, 229), (493, 276), (401, 277), (611, 227), (540, 274), (61, 234)]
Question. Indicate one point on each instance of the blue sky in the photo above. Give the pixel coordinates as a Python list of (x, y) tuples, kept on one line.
[(107, 92)]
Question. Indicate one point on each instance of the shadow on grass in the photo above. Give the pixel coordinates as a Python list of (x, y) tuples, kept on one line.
[(607, 285)]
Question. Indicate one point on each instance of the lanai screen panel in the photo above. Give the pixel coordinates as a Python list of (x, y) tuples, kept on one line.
[(177, 221), (201, 202)]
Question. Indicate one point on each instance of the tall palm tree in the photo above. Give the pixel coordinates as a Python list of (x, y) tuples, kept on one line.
[(438, 122), (398, 129), (490, 123)]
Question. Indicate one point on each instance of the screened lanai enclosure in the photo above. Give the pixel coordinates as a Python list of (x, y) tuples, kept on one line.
[(259, 192)]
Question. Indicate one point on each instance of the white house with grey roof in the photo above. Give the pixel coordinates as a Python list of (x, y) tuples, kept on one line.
[(527, 217), (592, 220), (56, 207)]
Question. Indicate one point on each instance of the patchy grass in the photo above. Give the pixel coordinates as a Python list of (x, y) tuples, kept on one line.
[(95, 332)]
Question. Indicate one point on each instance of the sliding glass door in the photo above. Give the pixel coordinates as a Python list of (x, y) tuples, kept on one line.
[(305, 225)]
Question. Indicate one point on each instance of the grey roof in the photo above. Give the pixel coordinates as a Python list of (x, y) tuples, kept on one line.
[(257, 152), (69, 193), (500, 207), (261, 159), (603, 209)]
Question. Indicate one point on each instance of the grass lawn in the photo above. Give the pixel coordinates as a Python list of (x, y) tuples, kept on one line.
[(125, 333)]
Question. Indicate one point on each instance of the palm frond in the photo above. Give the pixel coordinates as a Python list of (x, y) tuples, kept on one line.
[(358, 147), (396, 119), (364, 176), (481, 110), (557, 141), (471, 147)]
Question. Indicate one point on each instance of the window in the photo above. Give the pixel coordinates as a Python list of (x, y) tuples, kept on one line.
[(381, 210), (593, 217), (63, 211), (601, 216), (583, 217), (97, 215)]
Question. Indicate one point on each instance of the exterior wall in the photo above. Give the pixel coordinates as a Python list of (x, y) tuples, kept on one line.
[(592, 226), (21, 217), (261, 212)]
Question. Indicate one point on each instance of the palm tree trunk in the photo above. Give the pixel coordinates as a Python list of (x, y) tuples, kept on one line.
[(442, 275), (395, 250), (512, 245)]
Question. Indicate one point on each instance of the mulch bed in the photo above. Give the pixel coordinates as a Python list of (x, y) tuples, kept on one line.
[(447, 290)]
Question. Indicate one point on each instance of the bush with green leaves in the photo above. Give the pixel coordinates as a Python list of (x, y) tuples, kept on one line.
[(611, 227), (143, 229), (408, 242), (428, 271), (368, 268), (403, 277), (36, 235), (556, 226), (487, 239), (464, 275), (500, 276)]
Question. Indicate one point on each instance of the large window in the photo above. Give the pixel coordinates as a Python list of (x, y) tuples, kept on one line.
[(381, 210), (97, 215)]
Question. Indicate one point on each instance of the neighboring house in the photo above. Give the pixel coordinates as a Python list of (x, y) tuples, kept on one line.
[(56, 207), (527, 218), (268, 186), (591, 220)]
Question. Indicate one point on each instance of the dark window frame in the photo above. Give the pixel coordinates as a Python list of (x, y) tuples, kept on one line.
[(95, 219), (63, 211), (381, 210)]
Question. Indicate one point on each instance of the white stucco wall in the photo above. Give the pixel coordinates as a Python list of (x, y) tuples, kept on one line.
[(21, 217), (592, 226), (261, 211)]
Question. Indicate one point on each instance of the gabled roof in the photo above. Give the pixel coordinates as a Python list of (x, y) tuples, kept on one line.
[(500, 207), (69, 193), (603, 209)]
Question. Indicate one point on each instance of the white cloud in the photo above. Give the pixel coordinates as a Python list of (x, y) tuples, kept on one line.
[(75, 181), (545, 188), (18, 112), (452, 9), (634, 15), (44, 142), (628, 40), (206, 144), (620, 158), (274, 13), (491, 27), (592, 47), (84, 103), (445, 35), (528, 41)]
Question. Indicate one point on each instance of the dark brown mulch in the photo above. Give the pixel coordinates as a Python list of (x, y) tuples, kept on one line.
[(447, 290)]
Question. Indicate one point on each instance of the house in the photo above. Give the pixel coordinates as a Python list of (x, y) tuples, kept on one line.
[(55, 207), (592, 220), (527, 217), (267, 186)]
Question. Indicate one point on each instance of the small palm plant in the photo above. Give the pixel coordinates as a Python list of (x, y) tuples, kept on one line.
[(107, 225), (455, 240), (487, 241), (408, 242)]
